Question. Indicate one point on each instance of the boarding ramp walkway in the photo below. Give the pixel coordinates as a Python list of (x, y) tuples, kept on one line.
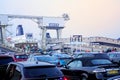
[(6, 48)]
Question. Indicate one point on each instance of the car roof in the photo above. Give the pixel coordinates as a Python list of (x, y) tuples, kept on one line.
[(32, 64), (37, 54), (3, 55), (40, 55), (21, 54), (85, 58), (92, 55), (86, 52)]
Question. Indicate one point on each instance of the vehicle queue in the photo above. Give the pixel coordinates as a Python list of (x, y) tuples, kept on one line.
[(58, 66)]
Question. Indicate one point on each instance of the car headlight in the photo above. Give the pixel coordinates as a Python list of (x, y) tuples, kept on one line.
[(99, 70)]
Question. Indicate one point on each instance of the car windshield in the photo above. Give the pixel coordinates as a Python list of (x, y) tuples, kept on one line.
[(101, 61), (42, 72), (61, 55)]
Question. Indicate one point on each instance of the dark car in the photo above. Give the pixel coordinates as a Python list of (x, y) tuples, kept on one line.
[(33, 71), (114, 57), (4, 60), (43, 58), (90, 68)]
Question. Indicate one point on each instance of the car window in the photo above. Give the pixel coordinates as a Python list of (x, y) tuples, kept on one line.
[(112, 55), (101, 61), (10, 71), (18, 69), (32, 59), (65, 60), (75, 64), (17, 74), (79, 64), (45, 58), (42, 71)]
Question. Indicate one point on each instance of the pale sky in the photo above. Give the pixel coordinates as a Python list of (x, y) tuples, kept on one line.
[(87, 17)]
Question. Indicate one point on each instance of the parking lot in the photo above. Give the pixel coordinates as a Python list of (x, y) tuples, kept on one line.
[(81, 66)]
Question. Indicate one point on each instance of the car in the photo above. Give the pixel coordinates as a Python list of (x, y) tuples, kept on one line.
[(61, 55), (44, 58), (90, 68), (4, 60), (20, 57), (114, 57), (63, 58), (33, 71)]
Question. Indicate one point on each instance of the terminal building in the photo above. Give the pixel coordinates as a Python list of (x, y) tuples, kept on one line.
[(80, 43)]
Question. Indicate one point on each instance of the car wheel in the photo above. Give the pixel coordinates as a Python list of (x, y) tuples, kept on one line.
[(84, 78)]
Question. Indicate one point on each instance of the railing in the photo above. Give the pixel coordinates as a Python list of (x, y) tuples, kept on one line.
[(11, 48)]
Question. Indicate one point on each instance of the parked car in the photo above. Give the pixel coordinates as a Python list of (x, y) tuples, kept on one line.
[(114, 57), (90, 68), (33, 71), (4, 60), (62, 58), (44, 58), (20, 57)]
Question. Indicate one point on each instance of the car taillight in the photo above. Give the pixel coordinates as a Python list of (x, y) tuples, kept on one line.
[(65, 78)]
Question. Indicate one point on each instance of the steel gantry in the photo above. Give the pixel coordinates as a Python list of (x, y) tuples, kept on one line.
[(44, 23)]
